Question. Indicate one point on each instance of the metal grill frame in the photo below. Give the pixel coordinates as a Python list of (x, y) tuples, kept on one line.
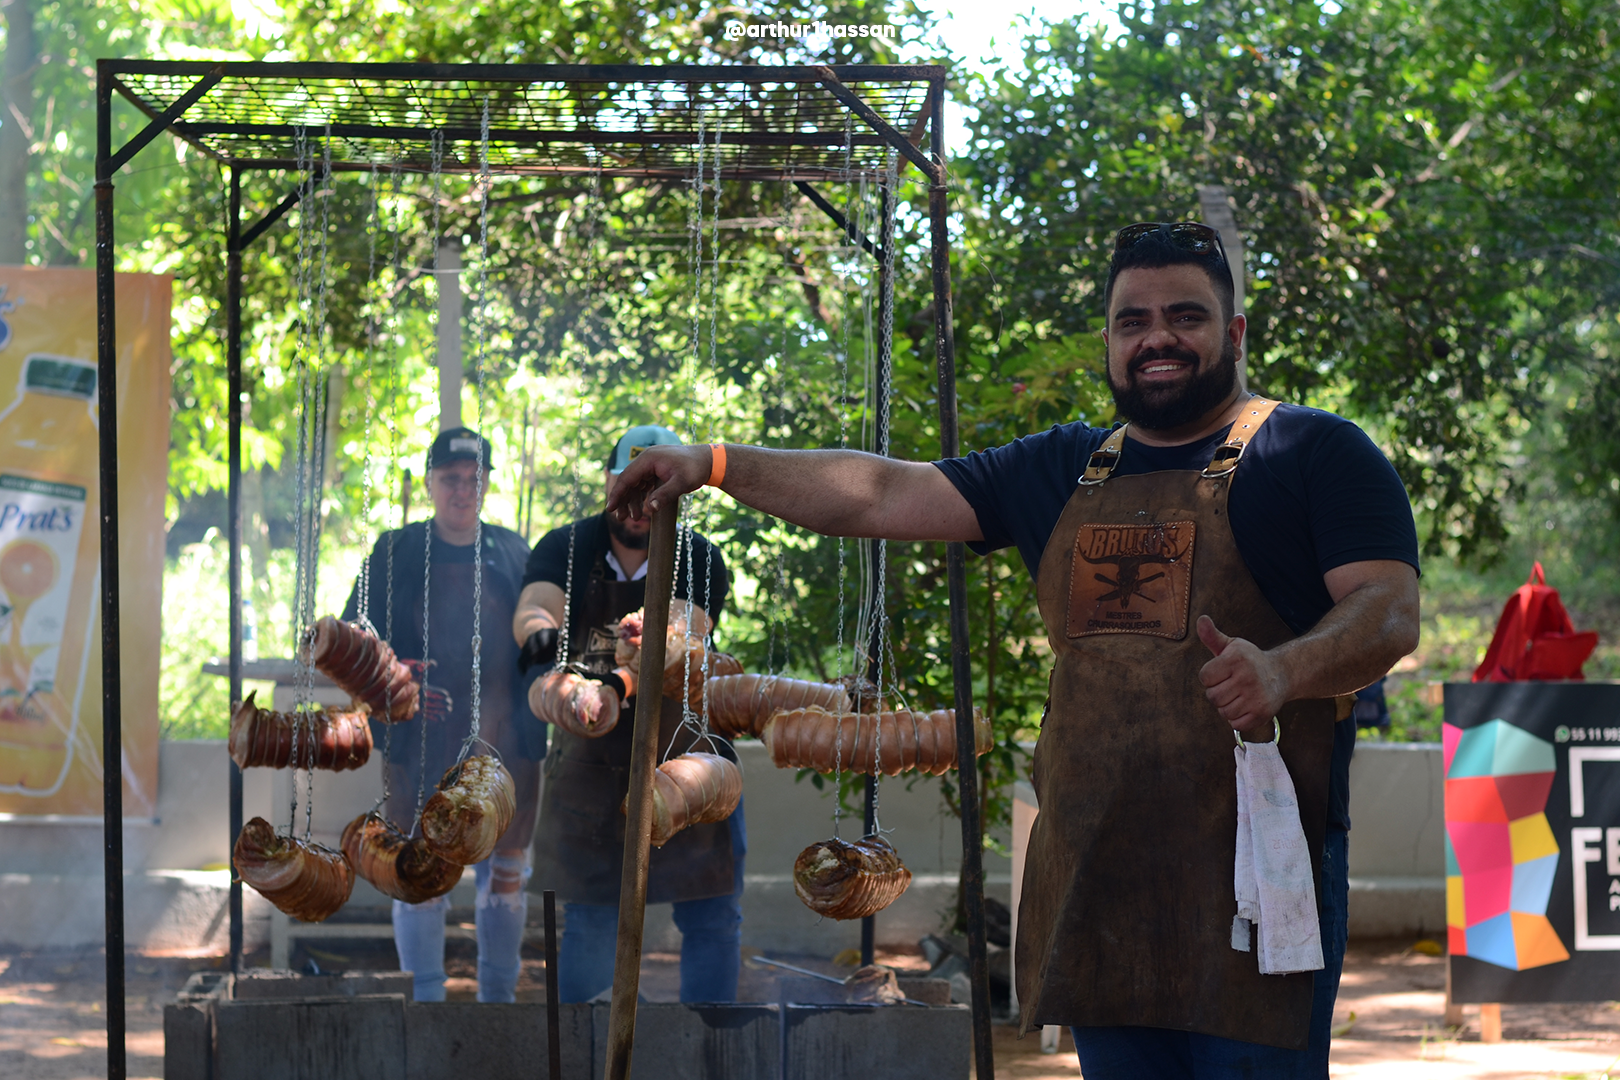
[(798, 124)]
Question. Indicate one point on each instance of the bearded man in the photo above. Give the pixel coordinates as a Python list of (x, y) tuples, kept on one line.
[(1218, 563), (584, 577)]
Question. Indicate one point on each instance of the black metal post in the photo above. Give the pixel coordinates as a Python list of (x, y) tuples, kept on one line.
[(967, 760), (885, 377), (553, 1006), (233, 377), (112, 728)]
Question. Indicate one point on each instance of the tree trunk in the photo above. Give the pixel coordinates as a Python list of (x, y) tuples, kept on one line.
[(16, 128)]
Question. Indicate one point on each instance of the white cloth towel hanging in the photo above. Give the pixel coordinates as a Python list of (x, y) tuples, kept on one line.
[(1272, 875)]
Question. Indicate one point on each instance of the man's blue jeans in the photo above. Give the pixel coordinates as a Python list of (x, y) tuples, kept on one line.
[(711, 940), (1127, 1053), (419, 939)]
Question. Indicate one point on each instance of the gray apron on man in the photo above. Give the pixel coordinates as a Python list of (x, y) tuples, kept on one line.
[(579, 841)]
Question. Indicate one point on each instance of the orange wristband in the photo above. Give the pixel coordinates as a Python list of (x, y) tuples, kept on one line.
[(717, 472)]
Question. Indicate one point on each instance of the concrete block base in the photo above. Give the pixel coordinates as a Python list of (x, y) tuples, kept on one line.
[(353, 1035), (855, 1042)]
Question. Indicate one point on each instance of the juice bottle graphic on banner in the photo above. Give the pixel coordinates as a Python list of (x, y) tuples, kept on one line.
[(48, 567)]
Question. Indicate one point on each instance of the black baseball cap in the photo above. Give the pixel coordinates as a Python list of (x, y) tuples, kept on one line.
[(458, 444)]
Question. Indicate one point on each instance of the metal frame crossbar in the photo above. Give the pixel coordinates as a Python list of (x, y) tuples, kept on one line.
[(798, 124)]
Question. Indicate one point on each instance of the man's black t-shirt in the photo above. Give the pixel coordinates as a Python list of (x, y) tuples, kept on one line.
[(1312, 493), (589, 536)]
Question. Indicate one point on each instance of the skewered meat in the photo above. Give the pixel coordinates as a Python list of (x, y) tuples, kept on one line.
[(693, 789), (365, 667), (399, 866), (814, 738), (720, 665), (849, 881), (627, 650), (306, 880), (473, 806), (863, 693), (740, 704), (329, 738), (679, 648), (578, 705), (875, 985)]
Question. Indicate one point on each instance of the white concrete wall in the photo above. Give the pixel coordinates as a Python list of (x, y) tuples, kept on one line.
[(50, 874), (1397, 840)]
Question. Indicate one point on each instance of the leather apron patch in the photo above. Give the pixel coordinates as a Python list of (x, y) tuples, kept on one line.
[(1131, 579)]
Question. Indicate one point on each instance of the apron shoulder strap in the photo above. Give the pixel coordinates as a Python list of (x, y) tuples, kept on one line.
[(1230, 452), (1105, 459)]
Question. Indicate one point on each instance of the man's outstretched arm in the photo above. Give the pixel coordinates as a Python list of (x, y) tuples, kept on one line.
[(834, 492)]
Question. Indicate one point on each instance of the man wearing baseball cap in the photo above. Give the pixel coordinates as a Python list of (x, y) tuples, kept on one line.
[(579, 843), (458, 477)]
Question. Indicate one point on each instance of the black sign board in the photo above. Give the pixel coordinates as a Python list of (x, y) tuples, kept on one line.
[(1532, 773)]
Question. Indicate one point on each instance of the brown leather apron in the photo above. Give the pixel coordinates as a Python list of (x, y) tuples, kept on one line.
[(579, 840), (1127, 903)]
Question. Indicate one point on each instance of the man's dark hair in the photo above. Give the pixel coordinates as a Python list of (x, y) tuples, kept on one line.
[(1156, 250)]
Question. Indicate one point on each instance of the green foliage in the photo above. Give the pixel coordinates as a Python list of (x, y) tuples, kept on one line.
[(1420, 187), (1425, 190)]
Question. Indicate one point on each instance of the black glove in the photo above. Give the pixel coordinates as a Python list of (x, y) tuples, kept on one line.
[(541, 648), (616, 684), (611, 680)]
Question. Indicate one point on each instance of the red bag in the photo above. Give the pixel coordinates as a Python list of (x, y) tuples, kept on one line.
[(1535, 638)]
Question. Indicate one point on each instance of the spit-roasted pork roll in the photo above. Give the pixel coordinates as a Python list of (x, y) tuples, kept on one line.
[(303, 879), (741, 704), (397, 865), (473, 806), (890, 742), (365, 667), (329, 738), (849, 881), (693, 789)]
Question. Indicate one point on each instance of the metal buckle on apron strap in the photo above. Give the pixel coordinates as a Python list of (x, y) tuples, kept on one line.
[(1105, 459), (1228, 454)]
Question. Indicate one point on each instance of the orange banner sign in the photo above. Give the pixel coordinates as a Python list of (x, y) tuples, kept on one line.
[(50, 552)]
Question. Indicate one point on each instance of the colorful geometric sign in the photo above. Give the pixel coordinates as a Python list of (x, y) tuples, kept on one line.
[(1501, 856)]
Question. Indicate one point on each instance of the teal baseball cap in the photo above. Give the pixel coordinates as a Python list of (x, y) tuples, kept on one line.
[(635, 441)]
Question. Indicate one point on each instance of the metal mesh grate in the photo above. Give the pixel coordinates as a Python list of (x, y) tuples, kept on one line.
[(773, 123)]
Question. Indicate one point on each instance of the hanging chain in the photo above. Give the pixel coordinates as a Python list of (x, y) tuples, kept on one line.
[(888, 195), (318, 458), (372, 226), (843, 444), (393, 423), (479, 339), (437, 167), (714, 378), (594, 199), (305, 166)]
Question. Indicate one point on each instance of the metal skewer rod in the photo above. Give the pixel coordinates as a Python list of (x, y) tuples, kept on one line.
[(826, 978)]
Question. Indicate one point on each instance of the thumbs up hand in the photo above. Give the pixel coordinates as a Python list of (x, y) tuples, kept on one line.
[(1242, 681)]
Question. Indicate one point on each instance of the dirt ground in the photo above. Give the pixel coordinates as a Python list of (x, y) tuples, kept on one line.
[(52, 1019)]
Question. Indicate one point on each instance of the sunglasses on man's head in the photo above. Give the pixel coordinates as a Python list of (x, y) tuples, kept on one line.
[(1189, 236)]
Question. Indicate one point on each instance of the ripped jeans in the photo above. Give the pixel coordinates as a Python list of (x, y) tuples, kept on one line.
[(499, 914)]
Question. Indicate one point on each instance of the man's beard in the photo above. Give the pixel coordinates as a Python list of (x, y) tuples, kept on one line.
[(620, 531), (1166, 408)]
